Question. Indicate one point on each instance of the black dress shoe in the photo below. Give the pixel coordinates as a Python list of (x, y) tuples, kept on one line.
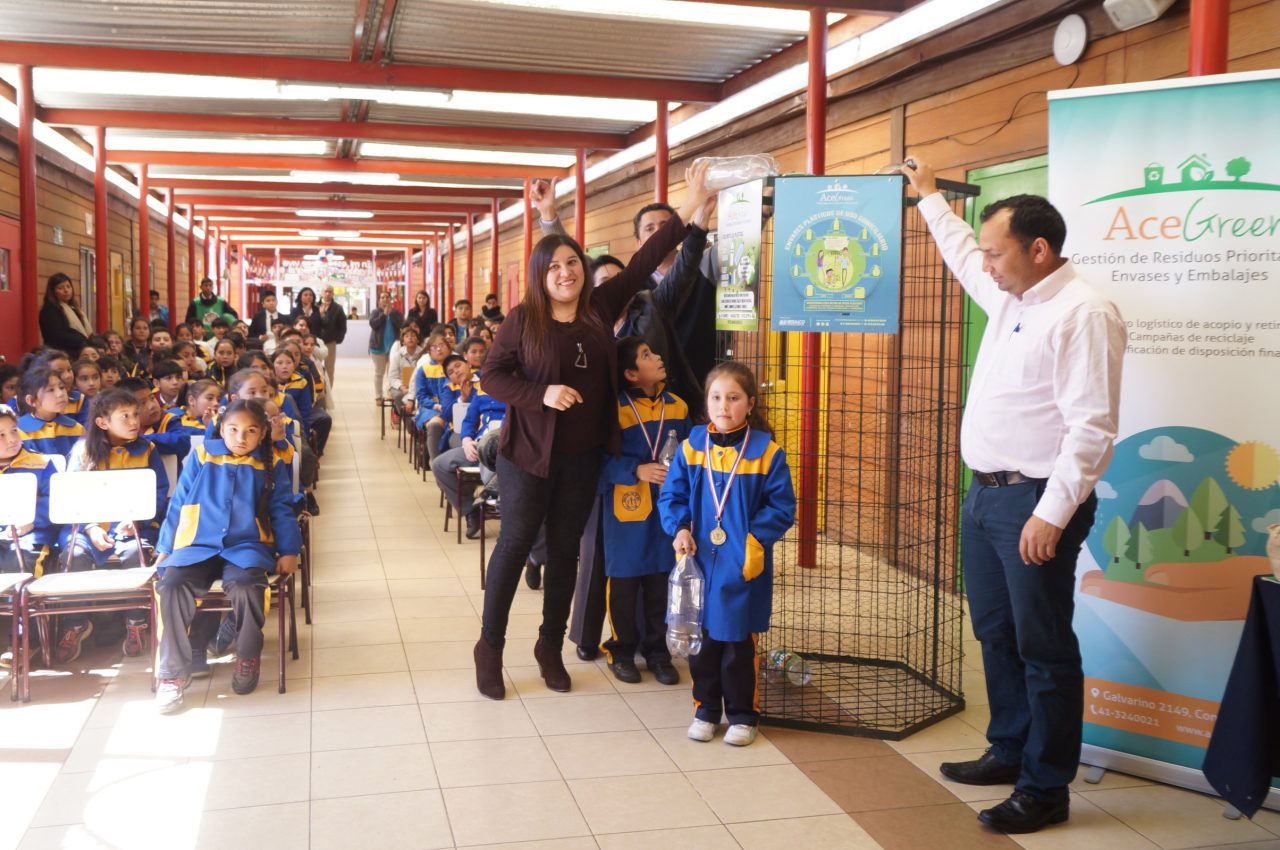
[(987, 770), (1024, 813), (473, 523), (533, 575), (588, 653), (664, 671), (625, 670)]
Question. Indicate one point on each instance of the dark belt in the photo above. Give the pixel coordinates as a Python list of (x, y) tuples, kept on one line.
[(1004, 479)]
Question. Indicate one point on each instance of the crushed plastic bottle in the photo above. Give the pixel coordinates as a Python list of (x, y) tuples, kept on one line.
[(669, 449), (684, 608), (785, 664), (726, 171)]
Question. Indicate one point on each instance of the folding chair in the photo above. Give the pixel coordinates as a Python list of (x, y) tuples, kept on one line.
[(465, 475), (18, 495), (304, 526), (406, 375), (76, 498)]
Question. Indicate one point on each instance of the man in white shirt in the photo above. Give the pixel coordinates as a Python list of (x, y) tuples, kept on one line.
[(1038, 431)]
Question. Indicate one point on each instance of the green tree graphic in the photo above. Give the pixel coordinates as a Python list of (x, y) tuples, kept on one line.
[(1239, 167), (1208, 502), (1229, 533), (1140, 550), (1188, 532), (1115, 539)]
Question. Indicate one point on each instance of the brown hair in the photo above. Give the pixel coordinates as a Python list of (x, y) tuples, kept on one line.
[(746, 379), (537, 303)]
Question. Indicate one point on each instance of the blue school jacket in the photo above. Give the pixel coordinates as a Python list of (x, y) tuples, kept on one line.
[(43, 532), (738, 589), (212, 512), (169, 437), (485, 410), (56, 436), (140, 454), (451, 394), (303, 396), (77, 407), (634, 542), (429, 380), (186, 425)]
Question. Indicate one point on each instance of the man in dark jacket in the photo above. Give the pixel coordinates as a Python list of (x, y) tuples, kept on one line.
[(333, 329)]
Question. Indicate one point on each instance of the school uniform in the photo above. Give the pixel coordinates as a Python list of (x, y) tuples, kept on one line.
[(320, 422), (221, 374), (738, 574), (484, 412), (637, 552), (168, 436), (41, 544), (139, 454), (190, 425), (56, 436), (429, 382), (451, 394), (300, 389), (211, 531), (77, 407)]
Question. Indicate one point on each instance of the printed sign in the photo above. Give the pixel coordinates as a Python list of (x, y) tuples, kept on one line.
[(738, 248)]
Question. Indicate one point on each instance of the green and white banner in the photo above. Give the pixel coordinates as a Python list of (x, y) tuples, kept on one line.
[(738, 246), (1171, 192)]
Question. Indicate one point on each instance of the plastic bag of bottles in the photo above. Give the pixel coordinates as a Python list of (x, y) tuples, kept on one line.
[(684, 608), (726, 171), (783, 664)]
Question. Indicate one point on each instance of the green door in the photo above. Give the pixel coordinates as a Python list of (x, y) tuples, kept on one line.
[(1024, 177)]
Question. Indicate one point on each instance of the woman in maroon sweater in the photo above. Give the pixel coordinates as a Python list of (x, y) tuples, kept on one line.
[(555, 365)]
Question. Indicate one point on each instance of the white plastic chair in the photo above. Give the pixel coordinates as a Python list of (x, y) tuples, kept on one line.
[(18, 493)]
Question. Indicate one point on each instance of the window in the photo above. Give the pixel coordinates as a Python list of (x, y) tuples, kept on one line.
[(88, 279)]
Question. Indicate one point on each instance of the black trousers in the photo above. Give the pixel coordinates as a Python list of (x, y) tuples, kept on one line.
[(562, 500), (178, 588), (630, 599), (321, 424), (726, 681), (587, 625)]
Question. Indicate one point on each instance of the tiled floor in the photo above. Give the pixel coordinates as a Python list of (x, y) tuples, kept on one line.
[(383, 742)]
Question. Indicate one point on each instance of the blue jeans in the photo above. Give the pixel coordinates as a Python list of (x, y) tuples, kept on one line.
[(1022, 616)]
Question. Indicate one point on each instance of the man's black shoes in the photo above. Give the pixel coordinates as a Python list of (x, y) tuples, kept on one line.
[(987, 770), (625, 670), (1023, 813), (473, 523)]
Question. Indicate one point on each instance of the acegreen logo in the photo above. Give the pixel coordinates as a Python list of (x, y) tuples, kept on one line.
[(1195, 174)]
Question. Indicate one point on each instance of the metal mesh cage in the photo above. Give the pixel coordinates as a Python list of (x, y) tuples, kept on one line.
[(877, 616)]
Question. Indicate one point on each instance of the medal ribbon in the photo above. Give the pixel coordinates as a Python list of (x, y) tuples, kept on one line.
[(716, 501), (655, 443)]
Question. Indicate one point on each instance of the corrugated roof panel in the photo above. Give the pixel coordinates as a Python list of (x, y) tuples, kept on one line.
[(463, 32), (315, 28), (318, 109), (459, 118)]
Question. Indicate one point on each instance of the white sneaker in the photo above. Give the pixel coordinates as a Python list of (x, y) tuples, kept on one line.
[(169, 694), (701, 730), (739, 735)]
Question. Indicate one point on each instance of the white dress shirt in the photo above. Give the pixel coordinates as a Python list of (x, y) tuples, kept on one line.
[(1045, 396)]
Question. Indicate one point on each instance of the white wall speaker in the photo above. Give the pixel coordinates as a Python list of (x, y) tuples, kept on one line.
[(1127, 14)]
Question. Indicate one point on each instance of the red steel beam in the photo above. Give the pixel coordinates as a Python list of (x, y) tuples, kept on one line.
[(471, 257), (580, 197), (811, 343), (662, 156), (262, 125), (191, 252), (528, 228), (27, 210), (437, 277), (102, 260), (171, 234), (243, 202), (316, 163), (227, 213), (342, 72), (278, 189), (495, 234), (851, 7), (1210, 29), (449, 275), (143, 272)]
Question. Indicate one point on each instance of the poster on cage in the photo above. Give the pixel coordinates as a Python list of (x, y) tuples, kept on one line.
[(740, 223), (1171, 192), (837, 254)]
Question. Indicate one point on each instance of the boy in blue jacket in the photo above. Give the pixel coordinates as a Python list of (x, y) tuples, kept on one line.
[(637, 553)]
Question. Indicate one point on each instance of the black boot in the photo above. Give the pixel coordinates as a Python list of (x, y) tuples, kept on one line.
[(473, 523), (489, 670), (533, 575), (551, 665)]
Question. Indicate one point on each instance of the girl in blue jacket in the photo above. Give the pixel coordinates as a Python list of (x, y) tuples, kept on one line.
[(38, 542), (230, 518), (728, 498), (44, 427)]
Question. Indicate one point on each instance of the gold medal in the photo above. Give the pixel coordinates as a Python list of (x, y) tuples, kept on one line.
[(718, 536)]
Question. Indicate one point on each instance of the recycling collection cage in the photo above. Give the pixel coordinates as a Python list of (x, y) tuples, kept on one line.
[(877, 615)]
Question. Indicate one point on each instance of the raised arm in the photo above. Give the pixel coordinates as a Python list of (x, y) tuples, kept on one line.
[(955, 238)]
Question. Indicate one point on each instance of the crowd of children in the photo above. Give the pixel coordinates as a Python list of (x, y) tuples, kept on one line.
[(233, 512)]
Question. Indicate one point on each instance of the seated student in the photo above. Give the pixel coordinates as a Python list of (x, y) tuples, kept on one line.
[(158, 426), (405, 353), (319, 423), (38, 541), (77, 406), (484, 416), (239, 327), (170, 379), (185, 352), (451, 335), (284, 368), (110, 369), (254, 384), (272, 340), (137, 349), (92, 350), (474, 349), (230, 518), (252, 359), (115, 344), (160, 338), (113, 440), (637, 554), (224, 361), (203, 398), (219, 327), (44, 427), (200, 337), (266, 316), (10, 376), (459, 386), (88, 379), (182, 333), (429, 380), (314, 353)]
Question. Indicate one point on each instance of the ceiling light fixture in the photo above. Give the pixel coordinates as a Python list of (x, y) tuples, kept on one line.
[(333, 213)]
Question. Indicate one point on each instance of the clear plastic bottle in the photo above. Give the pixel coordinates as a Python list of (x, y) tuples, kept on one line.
[(726, 171), (784, 663), (684, 608), (669, 449)]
